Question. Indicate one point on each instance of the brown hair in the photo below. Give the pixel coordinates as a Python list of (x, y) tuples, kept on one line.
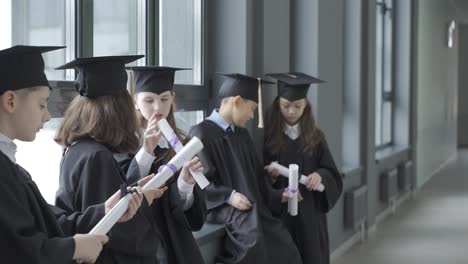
[(171, 120), (310, 136), (109, 120)]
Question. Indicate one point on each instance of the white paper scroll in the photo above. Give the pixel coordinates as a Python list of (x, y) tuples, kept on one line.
[(185, 154), (283, 171), (172, 139), (293, 185)]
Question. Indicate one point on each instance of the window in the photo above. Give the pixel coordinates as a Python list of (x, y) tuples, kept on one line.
[(109, 27), (42, 158), (180, 38), (169, 34), (5, 20), (40, 22), (186, 119), (352, 91), (384, 82), (119, 28)]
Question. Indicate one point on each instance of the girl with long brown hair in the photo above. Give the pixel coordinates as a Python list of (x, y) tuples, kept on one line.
[(292, 137), (98, 123), (182, 209)]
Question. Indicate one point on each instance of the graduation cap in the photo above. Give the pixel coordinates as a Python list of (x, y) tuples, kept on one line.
[(99, 76), (246, 87), (153, 78), (238, 84), (294, 85), (23, 67)]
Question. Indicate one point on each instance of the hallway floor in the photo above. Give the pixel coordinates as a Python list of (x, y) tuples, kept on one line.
[(430, 228)]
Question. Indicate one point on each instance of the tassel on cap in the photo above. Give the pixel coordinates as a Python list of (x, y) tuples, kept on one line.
[(260, 104)]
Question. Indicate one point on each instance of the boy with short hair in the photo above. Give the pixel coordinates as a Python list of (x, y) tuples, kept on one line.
[(32, 230), (240, 196)]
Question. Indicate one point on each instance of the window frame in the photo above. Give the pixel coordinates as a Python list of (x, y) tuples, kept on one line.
[(83, 47)]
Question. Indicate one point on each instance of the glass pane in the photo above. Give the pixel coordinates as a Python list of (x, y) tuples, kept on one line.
[(186, 119), (378, 74), (5, 24), (41, 158), (378, 124), (388, 49), (180, 29), (387, 123), (41, 22), (117, 28)]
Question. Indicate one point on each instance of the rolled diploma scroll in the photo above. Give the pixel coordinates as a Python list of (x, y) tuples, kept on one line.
[(293, 185), (186, 153), (283, 171), (172, 139)]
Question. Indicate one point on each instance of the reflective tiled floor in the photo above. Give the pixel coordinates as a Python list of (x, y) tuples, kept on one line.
[(430, 228)]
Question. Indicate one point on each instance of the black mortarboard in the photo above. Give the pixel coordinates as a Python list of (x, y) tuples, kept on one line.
[(238, 84), (23, 67), (246, 87), (154, 79), (294, 85), (99, 76)]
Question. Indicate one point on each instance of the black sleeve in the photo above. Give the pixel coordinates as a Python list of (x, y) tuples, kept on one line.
[(192, 218), (124, 160), (99, 178), (79, 222), (129, 165), (89, 183), (272, 192), (20, 240), (217, 194), (196, 215), (331, 177)]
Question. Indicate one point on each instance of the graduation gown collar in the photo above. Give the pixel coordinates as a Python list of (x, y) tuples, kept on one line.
[(8, 147), (220, 121), (293, 132)]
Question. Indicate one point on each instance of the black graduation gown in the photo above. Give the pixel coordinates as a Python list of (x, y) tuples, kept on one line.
[(33, 231), (88, 175), (175, 224), (309, 228), (230, 163)]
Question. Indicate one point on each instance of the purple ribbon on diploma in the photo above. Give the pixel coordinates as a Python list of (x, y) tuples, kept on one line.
[(293, 191), (170, 166), (173, 140)]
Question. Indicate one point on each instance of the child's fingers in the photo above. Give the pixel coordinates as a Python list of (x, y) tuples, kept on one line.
[(153, 120), (246, 202), (240, 206), (145, 180), (243, 206), (103, 239), (150, 129), (153, 117), (195, 165), (158, 134), (286, 196), (299, 196), (132, 206), (317, 181), (137, 196)]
